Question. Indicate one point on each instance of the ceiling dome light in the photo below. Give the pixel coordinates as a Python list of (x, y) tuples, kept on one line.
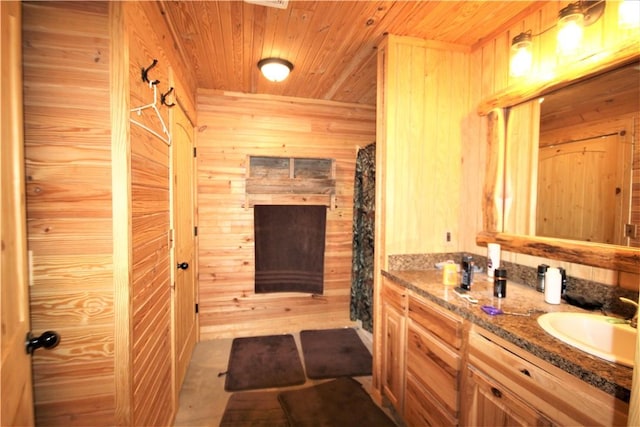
[(275, 69)]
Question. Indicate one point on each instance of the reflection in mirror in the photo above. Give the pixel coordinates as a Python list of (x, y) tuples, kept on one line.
[(578, 165)]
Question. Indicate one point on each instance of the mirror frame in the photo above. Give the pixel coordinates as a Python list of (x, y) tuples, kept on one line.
[(610, 257)]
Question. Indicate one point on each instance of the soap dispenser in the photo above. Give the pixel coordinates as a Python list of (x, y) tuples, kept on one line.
[(552, 286)]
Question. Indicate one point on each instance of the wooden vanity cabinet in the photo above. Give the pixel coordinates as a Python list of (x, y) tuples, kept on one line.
[(394, 307), (441, 370), (504, 385), (433, 363)]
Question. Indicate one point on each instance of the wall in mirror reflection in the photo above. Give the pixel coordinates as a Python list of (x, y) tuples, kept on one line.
[(575, 155)]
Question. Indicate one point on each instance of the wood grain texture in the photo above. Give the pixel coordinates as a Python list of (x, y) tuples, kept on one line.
[(152, 401), (68, 155), (231, 127), (98, 211), (423, 141), (332, 44), (587, 253)]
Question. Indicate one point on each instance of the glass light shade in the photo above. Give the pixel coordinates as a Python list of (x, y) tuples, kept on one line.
[(570, 28), (275, 69), (629, 14), (521, 55)]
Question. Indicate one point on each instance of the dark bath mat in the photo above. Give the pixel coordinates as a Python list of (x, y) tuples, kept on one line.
[(254, 408), (332, 353), (263, 362), (341, 402)]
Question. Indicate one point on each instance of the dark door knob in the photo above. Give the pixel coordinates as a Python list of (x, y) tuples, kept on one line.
[(47, 340), (183, 265)]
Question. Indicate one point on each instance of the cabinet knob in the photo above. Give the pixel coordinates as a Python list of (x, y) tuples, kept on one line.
[(526, 372)]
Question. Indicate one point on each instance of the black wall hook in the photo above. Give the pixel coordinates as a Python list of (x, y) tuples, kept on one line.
[(163, 98), (145, 73)]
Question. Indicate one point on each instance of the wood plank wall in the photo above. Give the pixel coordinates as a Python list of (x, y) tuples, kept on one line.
[(426, 104), (68, 156), (152, 401), (232, 126), (69, 56), (491, 58)]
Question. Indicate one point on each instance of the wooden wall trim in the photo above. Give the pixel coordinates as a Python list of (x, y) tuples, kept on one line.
[(121, 204), (587, 253)]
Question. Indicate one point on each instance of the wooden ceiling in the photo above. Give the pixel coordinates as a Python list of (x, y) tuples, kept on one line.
[(615, 93), (332, 44)]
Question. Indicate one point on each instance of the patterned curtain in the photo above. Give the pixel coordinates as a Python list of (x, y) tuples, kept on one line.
[(363, 225)]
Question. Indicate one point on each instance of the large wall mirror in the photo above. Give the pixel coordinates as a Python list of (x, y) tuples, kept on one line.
[(562, 180)]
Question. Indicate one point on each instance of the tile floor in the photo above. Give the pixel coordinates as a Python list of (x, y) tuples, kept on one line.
[(203, 398)]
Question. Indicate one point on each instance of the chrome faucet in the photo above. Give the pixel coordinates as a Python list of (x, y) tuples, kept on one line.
[(633, 322)]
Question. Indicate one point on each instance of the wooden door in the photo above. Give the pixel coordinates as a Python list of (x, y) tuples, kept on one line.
[(185, 330), (580, 190), (15, 370)]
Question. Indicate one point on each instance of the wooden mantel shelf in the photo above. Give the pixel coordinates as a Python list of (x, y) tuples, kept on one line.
[(290, 181)]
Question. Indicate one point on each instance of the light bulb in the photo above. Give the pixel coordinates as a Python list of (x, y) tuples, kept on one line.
[(570, 26), (521, 55), (629, 14)]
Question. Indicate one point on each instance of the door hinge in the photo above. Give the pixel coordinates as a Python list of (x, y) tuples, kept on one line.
[(196, 308), (195, 230), (195, 152)]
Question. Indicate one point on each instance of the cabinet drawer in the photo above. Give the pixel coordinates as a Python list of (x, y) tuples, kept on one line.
[(435, 365), (394, 295), (442, 323), (422, 409), (558, 395)]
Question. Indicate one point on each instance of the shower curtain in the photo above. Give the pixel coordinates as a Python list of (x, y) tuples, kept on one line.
[(361, 307)]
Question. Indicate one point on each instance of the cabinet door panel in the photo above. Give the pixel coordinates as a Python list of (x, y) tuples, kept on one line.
[(393, 357), (490, 404)]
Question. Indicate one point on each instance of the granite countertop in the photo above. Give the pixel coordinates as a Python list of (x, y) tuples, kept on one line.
[(522, 331)]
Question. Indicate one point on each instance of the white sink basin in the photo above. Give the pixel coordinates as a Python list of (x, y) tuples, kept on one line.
[(606, 337)]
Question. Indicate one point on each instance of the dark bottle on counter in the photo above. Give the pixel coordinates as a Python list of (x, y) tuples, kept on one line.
[(542, 271), (467, 272), (563, 276), (500, 283)]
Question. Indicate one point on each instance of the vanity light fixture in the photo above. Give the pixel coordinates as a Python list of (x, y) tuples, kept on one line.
[(570, 28), (571, 22), (629, 14), (275, 69), (521, 55)]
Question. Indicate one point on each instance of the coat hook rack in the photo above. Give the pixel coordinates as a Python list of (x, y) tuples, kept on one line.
[(145, 73), (163, 98), (167, 136)]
